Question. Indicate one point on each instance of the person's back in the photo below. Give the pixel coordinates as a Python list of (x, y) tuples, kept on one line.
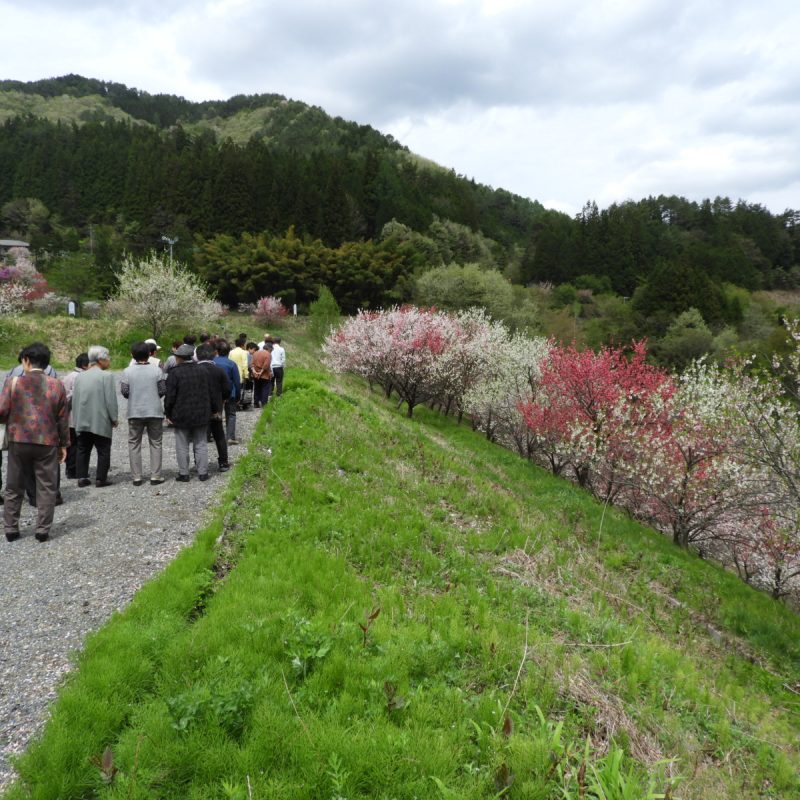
[(278, 355), (239, 357), (140, 384), (35, 416), (188, 399), (94, 402)]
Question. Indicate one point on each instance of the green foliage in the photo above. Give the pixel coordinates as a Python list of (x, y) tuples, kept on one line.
[(324, 314), (359, 274), (79, 277), (687, 339), (460, 286)]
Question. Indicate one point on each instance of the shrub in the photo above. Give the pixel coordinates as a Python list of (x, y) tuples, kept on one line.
[(269, 310), (324, 313)]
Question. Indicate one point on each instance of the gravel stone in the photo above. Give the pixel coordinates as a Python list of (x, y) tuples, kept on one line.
[(104, 545)]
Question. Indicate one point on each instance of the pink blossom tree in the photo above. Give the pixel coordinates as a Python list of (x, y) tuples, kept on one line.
[(270, 310), (582, 403)]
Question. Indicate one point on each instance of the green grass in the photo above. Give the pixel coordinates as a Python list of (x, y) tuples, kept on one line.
[(360, 632), (69, 336)]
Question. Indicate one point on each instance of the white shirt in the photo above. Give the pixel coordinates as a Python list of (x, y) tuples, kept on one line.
[(278, 356)]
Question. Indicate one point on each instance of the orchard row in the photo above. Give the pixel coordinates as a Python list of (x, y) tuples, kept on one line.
[(710, 456)]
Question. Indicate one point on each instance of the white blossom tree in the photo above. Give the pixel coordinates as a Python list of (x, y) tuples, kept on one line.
[(159, 293)]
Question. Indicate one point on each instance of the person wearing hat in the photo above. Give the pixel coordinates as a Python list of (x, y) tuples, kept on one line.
[(188, 405)]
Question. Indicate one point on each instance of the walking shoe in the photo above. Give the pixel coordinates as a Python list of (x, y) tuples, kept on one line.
[(12, 537), (84, 482), (224, 467), (182, 478), (233, 441), (137, 482), (42, 537), (203, 477), (101, 484), (156, 481)]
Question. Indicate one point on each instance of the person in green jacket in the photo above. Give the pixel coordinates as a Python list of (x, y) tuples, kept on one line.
[(94, 408)]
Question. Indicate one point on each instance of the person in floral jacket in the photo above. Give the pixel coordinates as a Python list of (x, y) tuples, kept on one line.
[(34, 408)]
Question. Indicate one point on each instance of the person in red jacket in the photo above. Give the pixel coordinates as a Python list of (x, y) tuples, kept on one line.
[(34, 408)]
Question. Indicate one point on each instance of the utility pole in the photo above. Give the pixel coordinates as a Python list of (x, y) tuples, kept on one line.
[(170, 242)]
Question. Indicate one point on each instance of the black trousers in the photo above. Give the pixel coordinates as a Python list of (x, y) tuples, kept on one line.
[(70, 465), (261, 391), (277, 375), (86, 441), (217, 430)]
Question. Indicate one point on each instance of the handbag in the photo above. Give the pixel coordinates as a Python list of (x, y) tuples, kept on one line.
[(3, 426)]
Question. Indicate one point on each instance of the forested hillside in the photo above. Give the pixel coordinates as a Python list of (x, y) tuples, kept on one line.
[(266, 195)]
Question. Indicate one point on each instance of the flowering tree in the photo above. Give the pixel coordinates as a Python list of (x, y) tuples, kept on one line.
[(685, 474), (510, 378), (270, 310), (20, 281), (158, 293), (423, 355), (768, 553), (583, 403), (418, 340)]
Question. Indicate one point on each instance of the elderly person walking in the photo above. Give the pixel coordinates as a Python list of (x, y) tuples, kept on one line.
[(143, 384), (81, 365), (188, 405), (34, 408), (94, 407)]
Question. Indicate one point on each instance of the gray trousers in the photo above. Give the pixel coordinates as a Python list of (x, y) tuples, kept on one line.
[(197, 438), (136, 429), (230, 419), (42, 461)]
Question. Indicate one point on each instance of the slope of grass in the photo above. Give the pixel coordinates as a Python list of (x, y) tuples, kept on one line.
[(393, 608), (61, 109)]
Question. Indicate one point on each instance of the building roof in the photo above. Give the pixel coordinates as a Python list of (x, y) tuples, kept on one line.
[(13, 243)]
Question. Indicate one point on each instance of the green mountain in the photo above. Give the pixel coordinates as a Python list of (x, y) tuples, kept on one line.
[(96, 154)]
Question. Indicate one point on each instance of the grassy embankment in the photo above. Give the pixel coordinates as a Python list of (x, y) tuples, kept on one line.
[(68, 336), (388, 608)]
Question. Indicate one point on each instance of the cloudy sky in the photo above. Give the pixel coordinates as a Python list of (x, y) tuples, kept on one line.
[(562, 101)]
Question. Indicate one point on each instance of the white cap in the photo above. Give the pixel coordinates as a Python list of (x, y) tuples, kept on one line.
[(152, 341)]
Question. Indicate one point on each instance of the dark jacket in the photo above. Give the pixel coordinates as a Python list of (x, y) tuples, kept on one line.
[(232, 371), (188, 399), (219, 384)]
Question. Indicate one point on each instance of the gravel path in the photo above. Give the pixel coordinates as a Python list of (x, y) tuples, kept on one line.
[(104, 544)]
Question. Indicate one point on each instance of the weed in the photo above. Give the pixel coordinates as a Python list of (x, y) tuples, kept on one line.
[(338, 776), (369, 618), (105, 764), (306, 647)]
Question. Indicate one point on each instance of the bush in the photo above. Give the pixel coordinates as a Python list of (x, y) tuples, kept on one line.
[(269, 310), (324, 313)]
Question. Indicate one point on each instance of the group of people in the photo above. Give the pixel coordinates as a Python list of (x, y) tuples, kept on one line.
[(197, 391)]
